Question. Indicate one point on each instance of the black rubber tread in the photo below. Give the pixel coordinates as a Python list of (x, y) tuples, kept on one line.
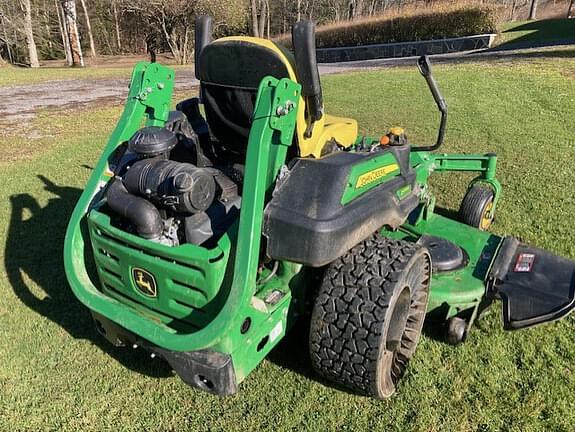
[(473, 205), (352, 311)]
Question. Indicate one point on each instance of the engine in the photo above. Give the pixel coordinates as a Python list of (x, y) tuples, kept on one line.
[(167, 189)]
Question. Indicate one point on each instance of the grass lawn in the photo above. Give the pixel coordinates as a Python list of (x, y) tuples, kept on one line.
[(536, 32), (10, 75), (56, 373)]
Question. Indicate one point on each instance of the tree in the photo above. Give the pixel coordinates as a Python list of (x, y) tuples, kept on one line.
[(140, 26), (29, 32), (117, 25), (63, 32), (533, 9), (173, 20), (260, 17), (5, 40), (89, 28), (71, 25), (569, 8), (254, 11)]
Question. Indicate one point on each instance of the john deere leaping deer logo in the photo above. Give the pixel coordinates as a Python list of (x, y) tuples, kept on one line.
[(145, 282)]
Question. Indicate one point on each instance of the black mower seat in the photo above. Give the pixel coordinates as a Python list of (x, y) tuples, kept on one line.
[(230, 70)]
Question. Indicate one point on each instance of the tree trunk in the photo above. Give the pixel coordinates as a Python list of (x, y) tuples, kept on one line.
[(117, 25), (284, 20), (171, 39), (89, 28), (71, 24), (47, 30), (63, 32), (299, 10), (254, 8), (29, 32), (533, 10), (374, 7), (185, 47), (359, 8), (570, 7), (10, 57), (269, 18), (263, 11), (351, 10)]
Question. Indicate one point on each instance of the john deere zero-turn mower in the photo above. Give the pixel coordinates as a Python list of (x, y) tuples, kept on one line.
[(201, 237)]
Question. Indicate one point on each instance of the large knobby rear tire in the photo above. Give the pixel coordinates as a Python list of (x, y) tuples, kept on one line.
[(369, 313)]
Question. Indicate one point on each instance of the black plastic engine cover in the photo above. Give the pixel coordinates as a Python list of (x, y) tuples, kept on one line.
[(305, 221)]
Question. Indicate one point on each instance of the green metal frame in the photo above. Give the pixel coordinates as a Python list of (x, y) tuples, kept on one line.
[(210, 293), (236, 294)]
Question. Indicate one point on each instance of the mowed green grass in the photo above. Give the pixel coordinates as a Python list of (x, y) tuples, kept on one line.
[(10, 75), (56, 373)]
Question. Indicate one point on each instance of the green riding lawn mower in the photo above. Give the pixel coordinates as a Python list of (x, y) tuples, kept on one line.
[(204, 233)]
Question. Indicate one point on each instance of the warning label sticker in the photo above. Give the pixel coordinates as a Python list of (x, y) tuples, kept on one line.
[(524, 262)]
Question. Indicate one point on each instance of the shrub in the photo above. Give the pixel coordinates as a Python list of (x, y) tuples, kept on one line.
[(435, 24)]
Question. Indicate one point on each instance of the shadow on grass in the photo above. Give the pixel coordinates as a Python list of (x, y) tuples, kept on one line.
[(292, 353), (543, 33), (34, 255)]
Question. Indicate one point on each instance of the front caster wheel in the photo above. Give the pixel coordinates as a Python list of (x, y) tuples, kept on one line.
[(456, 330), (477, 207), (369, 313)]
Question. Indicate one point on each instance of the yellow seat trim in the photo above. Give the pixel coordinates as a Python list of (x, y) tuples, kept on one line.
[(340, 129)]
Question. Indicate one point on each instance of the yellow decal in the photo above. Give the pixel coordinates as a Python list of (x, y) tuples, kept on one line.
[(108, 172), (145, 282), (376, 174), (397, 131)]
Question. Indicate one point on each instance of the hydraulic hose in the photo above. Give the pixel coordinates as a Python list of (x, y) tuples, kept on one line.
[(139, 211)]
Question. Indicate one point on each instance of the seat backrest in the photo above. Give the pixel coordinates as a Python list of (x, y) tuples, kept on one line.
[(230, 72)]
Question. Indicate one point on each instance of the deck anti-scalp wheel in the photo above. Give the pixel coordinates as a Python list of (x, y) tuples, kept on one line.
[(477, 207), (369, 313)]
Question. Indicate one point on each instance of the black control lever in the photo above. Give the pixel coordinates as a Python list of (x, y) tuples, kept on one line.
[(424, 66)]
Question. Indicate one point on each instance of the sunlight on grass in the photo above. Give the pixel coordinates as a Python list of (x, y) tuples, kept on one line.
[(21, 76), (58, 374)]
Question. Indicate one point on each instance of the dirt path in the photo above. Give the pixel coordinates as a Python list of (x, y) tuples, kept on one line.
[(19, 105)]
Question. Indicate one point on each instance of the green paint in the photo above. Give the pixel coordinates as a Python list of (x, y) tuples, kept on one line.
[(203, 295), (462, 289)]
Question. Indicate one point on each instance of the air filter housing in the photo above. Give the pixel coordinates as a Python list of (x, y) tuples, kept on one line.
[(152, 141)]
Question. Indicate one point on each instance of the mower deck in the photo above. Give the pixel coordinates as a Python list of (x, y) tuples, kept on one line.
[(534, 285), (455, 291)]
